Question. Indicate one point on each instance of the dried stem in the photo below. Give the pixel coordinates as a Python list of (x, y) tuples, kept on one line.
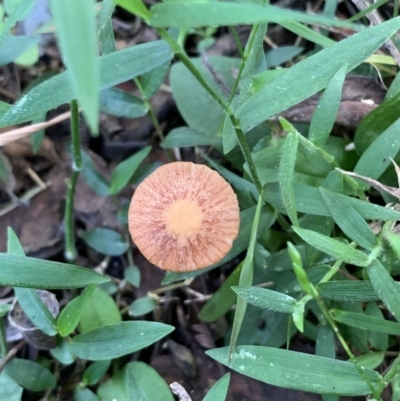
[(180, 392)]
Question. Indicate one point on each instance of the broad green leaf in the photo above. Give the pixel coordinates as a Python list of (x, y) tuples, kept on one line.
[(199, 110), (80, 52), (95, 372), (142, 306), (132, 275), (263, 79), (14, 46), (246, 277), (198, 13), (288, 88), (309, 200), (84, 394), (239, 245), (379, 341), (115, 68), (351, 223), (332, 247), (222, 300), (286, 175), (145, 384), (186, 137), (324, 115), (371, 360), (387, 289), (365, 322), (114, 388), (376, 122), (348, 291), (281, 55), (384, 147), (121, 104), (219, 390), (72, 312), (62, 353), (296, 370), (266, 299), (9, 389), (105, 28), (325, 344), (98, 310), (20, 271), (38, 379), (36, 310), (95, 181), (152, 80), (125, 170), (105, 241), (115, 340), (135, 7)]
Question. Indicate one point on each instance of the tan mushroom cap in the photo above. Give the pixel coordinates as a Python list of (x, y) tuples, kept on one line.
[(184, 217)]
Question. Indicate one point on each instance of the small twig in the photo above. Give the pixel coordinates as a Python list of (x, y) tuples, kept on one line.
[(179, 391), (22, 132), (376, 19), (10, 354)]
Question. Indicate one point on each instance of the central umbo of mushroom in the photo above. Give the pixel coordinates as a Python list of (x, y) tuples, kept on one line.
[(184, 217)]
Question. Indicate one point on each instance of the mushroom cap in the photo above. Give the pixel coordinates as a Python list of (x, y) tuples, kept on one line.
[(184, 217)]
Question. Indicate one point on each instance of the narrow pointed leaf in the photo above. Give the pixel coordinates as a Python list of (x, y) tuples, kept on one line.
[(286, 173), (351, 223), (80, 52), (219, 390), (20, 271), (309, 200), (348, 291), (365, 322), (115, 340), (296, 370), (135, 7), (387, 289), (332, 247), (288, 88), (266, 299), (125, 170), (115, 68), (325, 113)]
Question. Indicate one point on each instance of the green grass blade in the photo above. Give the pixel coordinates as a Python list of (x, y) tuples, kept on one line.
[(80, 52), (324, 115), (296, 370), (286, 173), (115, 68), (384, 147), (105, 28), (351, 223), (115, 340), (266, 299), (198, 13), (387, 289), (20, 271), (309, 200), (365, 322), (288, 88), (332, 247), (348, 291), (246, 278), (219, 390)]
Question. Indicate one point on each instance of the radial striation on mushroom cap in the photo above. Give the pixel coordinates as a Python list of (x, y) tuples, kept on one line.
[(184, 217)]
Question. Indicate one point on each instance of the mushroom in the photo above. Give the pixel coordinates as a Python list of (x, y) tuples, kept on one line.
[(184, 217)]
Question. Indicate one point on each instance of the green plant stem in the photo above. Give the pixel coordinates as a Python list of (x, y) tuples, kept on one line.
[(153, 117), (69, 221), (237, 41), (180, 53)]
